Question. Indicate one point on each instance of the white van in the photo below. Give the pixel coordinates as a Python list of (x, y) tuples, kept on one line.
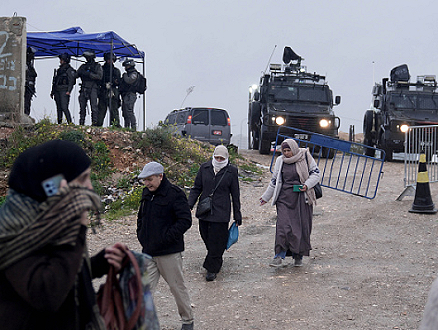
[(204, 124)]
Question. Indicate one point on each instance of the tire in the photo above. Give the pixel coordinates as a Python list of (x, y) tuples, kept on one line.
[(368, 120), (253, 139), (388, 154), (264, 145), (328, 153), (368, 151)]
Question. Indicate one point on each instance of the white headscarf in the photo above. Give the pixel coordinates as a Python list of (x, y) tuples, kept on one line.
[(221, 151)]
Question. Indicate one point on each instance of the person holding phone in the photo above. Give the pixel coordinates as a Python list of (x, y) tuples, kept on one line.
[(291, 189), (45, 273)]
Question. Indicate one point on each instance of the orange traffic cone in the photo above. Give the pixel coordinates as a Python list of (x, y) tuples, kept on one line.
[(423, 201)]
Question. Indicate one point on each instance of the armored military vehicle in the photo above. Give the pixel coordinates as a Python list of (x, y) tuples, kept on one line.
[(290, 96), (397, 104)]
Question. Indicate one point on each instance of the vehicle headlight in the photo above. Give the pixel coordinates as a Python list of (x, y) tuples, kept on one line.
[(324, 123), (280, 121), (404, 128)]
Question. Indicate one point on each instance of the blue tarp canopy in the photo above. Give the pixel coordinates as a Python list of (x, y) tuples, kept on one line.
[(74, 42)]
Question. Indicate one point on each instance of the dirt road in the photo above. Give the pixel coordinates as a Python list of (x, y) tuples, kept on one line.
[(371, 265)]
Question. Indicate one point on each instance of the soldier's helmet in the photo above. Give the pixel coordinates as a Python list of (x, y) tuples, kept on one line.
[(128, 62), (108, 56), (89, 54), (65, 57)]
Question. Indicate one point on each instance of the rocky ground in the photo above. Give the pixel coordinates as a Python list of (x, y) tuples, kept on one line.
[(371, 265)]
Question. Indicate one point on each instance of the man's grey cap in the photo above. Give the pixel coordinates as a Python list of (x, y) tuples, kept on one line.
[(152, 168)]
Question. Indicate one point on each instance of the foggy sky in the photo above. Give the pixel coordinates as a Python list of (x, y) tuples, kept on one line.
[(222, 47)]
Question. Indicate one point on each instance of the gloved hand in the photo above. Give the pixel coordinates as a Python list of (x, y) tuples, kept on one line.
[(238, 222)]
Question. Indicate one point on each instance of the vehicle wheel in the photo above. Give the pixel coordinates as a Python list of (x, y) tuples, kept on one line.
[(328, 152), (264, 145), (369, 151), (368, 125), (388, 154), (253, 140)]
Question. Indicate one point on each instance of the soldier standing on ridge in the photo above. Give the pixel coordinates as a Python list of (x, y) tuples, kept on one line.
[(129, 93), (109, 91), (63, 81), (31, 75), (91, 74)]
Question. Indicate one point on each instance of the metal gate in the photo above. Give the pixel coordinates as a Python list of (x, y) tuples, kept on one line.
[(418, 140), (343, 164)]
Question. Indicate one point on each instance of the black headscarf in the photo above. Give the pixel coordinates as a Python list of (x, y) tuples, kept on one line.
[(39, 163)]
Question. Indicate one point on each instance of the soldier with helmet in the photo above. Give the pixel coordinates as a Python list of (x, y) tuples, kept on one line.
[(31, 75), (63, 81), (128, 90), (91, 74), (109, 91)]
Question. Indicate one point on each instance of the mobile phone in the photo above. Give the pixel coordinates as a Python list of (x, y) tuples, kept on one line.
[(51, 185), (297, 187)]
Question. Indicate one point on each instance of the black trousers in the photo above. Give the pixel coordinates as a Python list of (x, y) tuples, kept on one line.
[(62, 100), (215, 237)]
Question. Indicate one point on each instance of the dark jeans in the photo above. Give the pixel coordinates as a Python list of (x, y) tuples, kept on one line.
[(62, 100), (215, 237)]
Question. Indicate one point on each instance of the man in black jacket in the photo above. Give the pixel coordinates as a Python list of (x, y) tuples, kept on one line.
[(163, 218)]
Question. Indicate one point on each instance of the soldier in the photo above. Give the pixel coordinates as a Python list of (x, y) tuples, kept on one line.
[(109, 91), (31, 75), (128, 90), (63, 81), (91, 74)]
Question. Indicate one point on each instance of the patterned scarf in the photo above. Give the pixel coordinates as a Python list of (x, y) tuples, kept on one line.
[(27, 226)]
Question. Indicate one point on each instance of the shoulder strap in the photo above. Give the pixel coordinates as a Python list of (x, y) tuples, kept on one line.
[(226, 169)]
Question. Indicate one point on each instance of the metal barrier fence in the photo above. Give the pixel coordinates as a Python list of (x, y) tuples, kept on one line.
[(343, 164), (420, 139)]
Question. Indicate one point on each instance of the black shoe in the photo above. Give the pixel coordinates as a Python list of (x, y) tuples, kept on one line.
[(210, 276)]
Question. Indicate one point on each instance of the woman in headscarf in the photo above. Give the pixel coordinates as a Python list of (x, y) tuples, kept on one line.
[(219, 177), (291, 189), (45, 272)]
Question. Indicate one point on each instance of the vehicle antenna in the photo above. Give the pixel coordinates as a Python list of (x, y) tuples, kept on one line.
[(189, 90), (269, 61)]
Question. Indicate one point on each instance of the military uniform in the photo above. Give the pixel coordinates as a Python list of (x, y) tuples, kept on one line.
[(128, 90), (31, 75), (63, 81), (109, 95), (91, 74)]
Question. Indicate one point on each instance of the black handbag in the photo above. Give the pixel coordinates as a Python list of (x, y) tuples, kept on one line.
[(317, 188), (204, 205)]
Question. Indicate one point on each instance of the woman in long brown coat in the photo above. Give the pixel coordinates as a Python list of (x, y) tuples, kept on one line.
[(295, 167)]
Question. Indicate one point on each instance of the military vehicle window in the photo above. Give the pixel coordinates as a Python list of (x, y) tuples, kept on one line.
[(200, 116), (428, 102), (218, 117), (403, 101), (317, 94), (283, 93), (181, 118)]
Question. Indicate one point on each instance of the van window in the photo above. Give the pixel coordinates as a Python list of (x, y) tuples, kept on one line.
[(170, 120), (181, 118), (218, 117), (200, 116)]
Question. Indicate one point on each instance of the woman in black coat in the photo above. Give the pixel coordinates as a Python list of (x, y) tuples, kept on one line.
[(213, 226)]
